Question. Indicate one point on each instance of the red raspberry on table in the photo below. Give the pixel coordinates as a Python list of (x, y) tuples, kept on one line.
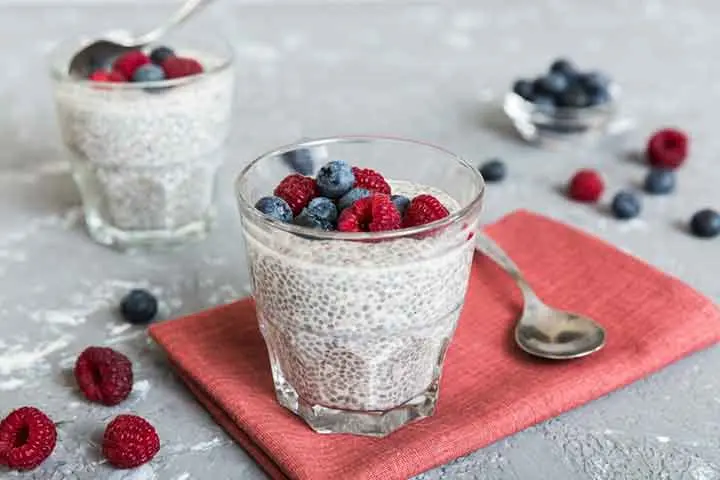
[(376, 213), (370, 180), (104, 375), (667, 148), (586, 186), (105, 76), (424, 209), (297, 190), (130, 441), (176, 67), (27, 438), (128, 62)]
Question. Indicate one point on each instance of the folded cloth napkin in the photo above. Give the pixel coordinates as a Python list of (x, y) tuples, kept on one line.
[(489, 388)]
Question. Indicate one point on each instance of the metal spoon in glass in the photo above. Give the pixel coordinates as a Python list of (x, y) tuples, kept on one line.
[(114, 44), (544, 331)]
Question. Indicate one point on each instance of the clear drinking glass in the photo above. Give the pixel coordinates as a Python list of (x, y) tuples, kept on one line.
[(357, 324), (145, 155)]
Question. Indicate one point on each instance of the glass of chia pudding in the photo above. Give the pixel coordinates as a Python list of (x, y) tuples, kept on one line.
[(358, 309), (146, 148)]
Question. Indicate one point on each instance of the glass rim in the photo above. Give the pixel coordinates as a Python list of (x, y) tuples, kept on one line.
[(248, 210), (60, 74)]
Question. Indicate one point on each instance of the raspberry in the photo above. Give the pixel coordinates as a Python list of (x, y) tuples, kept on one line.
[(297, 190), (424, 209), (104, 76), (376, 213), (104, 375), (586, 186), (128, 62), (370, 180), (176, 67), (27, 438), (667, 148), (130, 441)]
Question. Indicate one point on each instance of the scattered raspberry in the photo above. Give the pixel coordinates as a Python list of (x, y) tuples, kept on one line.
[(176, 67), (297, 190), (586, 186), (27, 438), (376, 213), (424, 209), (130, 441), (128, 62), (370, 180), (105, 76), (667, 148), (104, 375)]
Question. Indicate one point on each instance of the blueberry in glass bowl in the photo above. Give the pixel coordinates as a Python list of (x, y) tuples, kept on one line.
[(563, 103)]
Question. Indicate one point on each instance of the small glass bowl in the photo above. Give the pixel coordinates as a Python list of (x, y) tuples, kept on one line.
[(547, 124)]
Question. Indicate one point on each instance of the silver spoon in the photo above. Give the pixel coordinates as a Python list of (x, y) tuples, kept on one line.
[(542, 330), (114, 44)]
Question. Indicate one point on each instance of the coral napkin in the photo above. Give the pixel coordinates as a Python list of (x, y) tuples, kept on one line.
[(489, 389)]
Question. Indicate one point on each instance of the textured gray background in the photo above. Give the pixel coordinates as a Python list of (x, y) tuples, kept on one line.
[(435, 72)]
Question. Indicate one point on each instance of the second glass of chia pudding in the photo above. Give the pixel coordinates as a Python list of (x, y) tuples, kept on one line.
[(357, 316), (145, 134)]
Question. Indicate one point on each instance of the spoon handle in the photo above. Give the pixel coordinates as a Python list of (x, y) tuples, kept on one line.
[(182, 14), (487, 246)]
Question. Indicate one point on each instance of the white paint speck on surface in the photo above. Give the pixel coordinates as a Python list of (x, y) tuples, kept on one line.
[(662, 439), (118, 329), (60, 317), (183, 476), (11, 384), (144, 472), (17, 359), (205, 446)]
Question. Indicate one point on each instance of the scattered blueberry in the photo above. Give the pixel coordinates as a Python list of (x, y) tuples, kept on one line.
[(139, 306), (401, 203), (276, 208), (573, 97), (524, 88), (705, 223), (335, 179), (323, 208), (626, 205), (493, 171), (551, 84), (351, 197), (148, 73), (301, 160), (660, 181), (563, 67), (307, 219), (160, 54)]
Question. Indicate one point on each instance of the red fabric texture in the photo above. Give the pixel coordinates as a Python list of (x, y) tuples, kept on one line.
[(489, 388)]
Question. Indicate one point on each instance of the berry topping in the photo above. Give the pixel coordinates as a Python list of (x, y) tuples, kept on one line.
[(493, 171), (176, 67), (324, 208), (424, 209), (159, 54), (276, 208), (401, 203), (563, 67), (335, 179), (27, 438), (104, 375), (586, 186), (667, 148), (573, 97), (351, 197), (297, 190), (130, 61), (148, 73), (524, 88), (375, 213), (130, 441), (139, 306), (550, 84), (309, 220), (104, 76), (370, 180), (625, 205), (660, 181), (301, 160), (705, 223)]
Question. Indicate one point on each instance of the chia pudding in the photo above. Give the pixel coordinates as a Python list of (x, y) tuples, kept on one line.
[(145, 156)]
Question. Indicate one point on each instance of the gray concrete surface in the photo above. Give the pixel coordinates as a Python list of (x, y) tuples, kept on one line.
[(434, 72)]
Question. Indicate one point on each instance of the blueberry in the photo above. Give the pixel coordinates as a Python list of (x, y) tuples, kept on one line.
[(594, 79), (323, 208), (573, 97), (551, 84), (597, 94), (351, 197), (401, 203), (545, 103), (625, 205), (160, 54), (148, 73), (301, 160), (276, 208), (493, 170), (307, 219), (563, 67), (660, 181), (705, 223), (335, 179), (524, 88), (139, 306)]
